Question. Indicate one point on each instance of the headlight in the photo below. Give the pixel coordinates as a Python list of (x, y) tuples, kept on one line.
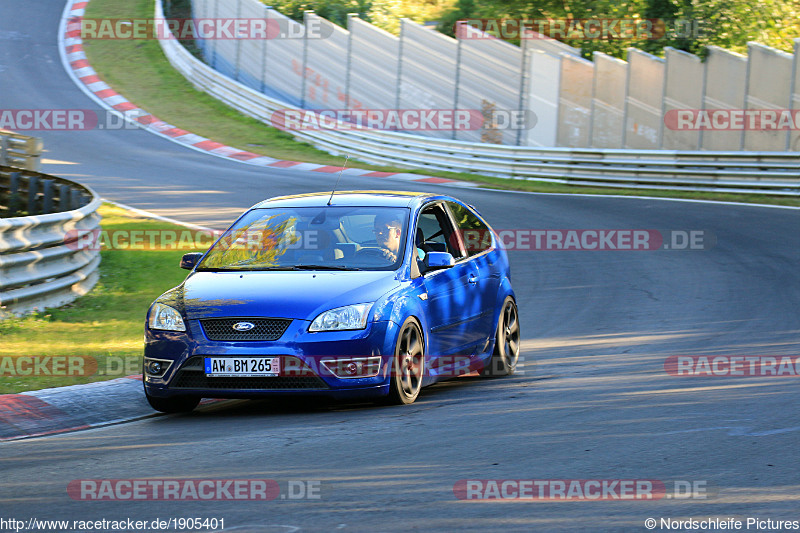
[(341, 318), (166, 318)]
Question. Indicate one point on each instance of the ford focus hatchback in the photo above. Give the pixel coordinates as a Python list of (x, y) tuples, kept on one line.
[(350, 295)]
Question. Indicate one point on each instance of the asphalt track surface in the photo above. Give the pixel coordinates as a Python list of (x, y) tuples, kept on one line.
[(593, 400)]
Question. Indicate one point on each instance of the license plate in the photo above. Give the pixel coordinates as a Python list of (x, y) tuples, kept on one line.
[(242, 366)]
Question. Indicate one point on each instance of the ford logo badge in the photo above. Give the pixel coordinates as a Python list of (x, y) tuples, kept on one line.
[(243, 326)]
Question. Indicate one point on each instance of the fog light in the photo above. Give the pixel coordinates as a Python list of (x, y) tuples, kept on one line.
[(156, 367), (353, 367)]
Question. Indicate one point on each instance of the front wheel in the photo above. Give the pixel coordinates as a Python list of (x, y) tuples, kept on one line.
[(408, 366), (175, 404), (506, 346)]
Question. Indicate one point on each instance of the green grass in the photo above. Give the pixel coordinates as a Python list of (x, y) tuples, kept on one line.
[(106, 325), (139, 71)]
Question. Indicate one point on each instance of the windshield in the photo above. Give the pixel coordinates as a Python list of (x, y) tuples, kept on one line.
[(312, 238)]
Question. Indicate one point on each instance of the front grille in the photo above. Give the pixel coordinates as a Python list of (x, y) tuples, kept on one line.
[(192, 376), (266, 329)]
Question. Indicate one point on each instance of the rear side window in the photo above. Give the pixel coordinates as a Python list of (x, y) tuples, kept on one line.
[(476, 235)]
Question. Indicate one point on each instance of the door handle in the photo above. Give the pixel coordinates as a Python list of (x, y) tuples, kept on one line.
[(472, 279)]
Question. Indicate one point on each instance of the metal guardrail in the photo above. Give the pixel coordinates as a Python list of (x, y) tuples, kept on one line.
[(42, 260), (19, 150), (774, 173)]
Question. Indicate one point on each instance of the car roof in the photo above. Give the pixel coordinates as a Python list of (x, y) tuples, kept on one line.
[(352, 198)]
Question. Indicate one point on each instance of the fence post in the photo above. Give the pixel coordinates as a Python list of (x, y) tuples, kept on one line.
[(349, 66), (792, 89), (590, 143), (625, 100), (745, 105), (522, 87), (459, 25), (264, 50), (215, 41), (399, 66), (238, 42), (305, 60)]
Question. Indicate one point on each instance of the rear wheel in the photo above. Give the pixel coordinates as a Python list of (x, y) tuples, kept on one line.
[(506, 346), (175, 404), (408, 367)]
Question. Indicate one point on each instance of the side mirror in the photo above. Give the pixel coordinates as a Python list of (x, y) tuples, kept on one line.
[(188, 261), (438, 261)]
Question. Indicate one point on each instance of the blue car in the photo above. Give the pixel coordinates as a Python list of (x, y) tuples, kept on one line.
[(350, 295)]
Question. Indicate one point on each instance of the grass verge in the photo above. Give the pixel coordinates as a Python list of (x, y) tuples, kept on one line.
[(100, 334), (139, 70)]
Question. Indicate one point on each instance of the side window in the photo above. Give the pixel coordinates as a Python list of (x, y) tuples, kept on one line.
[(476, 235), (435, 233)]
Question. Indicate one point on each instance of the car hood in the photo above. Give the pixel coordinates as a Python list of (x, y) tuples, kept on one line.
[(299, 295)]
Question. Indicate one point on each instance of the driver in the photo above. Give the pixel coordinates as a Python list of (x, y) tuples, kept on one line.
[(388, 229)]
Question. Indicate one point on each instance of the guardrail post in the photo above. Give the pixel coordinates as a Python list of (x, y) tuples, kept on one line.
[(75, 198), (33, 190), (13, 194), (63, 198), (33, 147), (47, 202), (4, 150)]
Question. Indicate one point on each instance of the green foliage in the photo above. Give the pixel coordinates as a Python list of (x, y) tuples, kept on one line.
[(729, 24), (334, 10), (385, 14)]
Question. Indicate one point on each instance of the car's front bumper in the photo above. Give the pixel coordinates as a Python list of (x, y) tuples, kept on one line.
[(302, 354)]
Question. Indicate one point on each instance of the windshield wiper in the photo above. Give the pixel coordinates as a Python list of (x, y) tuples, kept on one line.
[(243, 268), (269, 268), (324, 267), (217, 269)]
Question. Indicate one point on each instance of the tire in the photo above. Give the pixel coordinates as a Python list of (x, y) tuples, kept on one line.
[(408, 365), (506, 346), (176, 404)]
